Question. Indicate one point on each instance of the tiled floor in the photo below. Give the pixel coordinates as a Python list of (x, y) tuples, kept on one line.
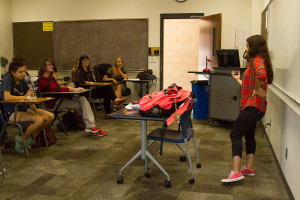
[(85, 167)]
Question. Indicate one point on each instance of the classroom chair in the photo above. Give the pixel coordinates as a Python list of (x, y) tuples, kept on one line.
[(52, 110), (177, 136), (19, 125), (2, 167), (66, 78)]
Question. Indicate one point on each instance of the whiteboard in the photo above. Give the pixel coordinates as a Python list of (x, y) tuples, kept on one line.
[(283, 42)]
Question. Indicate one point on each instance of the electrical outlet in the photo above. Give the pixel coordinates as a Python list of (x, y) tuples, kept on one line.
[(286, 153)]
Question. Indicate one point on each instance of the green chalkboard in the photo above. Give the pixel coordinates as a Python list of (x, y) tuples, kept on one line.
[(32, 43)]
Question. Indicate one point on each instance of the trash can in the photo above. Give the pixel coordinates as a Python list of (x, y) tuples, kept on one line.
[(201, 90)]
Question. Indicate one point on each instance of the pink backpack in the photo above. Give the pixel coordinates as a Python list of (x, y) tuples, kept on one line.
[(168, 103)]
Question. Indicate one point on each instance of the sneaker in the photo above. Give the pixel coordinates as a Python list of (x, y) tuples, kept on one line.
[(107, 116), (93, 130), (3, 170), (18, 145), (102, 133), (29, 142), (118, 101), (248, 172), (233, 177)]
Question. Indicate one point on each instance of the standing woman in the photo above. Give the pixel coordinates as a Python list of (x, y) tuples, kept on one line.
[(117, 74), (14, 88), (253, 105)]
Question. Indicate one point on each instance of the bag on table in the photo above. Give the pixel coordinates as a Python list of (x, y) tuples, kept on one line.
[(166, 103), (146, 75)]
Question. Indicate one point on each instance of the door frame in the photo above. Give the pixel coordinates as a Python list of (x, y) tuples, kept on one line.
[(171, 16)]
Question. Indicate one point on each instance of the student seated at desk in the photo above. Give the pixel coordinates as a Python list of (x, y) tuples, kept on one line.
[(15, 88), (47, 83), (117, 74), (85, 76)]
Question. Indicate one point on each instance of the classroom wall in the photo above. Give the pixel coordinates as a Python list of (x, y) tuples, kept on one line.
[(6, 48), (236, 14), (284, 132), (246, 14)]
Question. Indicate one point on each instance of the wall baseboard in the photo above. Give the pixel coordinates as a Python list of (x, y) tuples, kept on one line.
[(263, 131)]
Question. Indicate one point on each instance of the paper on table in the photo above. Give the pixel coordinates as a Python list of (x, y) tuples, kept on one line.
[(132, 79)]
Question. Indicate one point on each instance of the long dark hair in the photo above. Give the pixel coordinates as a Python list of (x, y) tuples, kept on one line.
[(258, 47), (15, 64), (80, 62), (43, 66)]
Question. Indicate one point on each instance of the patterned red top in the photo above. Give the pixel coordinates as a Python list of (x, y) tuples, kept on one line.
[(256, 70), (49, 84)]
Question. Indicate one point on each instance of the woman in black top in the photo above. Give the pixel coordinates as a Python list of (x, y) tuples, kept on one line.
[(85, 76)]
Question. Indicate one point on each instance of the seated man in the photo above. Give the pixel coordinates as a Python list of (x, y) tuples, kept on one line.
[(47, 83)]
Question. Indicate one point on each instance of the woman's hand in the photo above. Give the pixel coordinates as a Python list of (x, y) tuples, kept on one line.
[(236, 74), (258, 89), (259, 92), (115, 82), (30, 93), (120, 68), (72, 89)]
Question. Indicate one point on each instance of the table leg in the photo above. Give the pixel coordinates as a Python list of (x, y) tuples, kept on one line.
[(141, 90), (147, 88), (56, 115), (144, 139), (143, 153)]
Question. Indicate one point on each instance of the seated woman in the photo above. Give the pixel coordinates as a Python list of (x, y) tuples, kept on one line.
[(47, 83), (85, 76), (13, 88), (117, 74)]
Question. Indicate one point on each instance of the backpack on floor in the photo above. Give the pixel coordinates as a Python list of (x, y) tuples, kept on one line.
[(168, 103), (71, 121), (41, 141)]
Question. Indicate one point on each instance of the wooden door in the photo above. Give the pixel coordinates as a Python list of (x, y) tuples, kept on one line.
[(209, 39)]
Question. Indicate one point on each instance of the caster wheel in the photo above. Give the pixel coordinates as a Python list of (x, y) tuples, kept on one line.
[(120, 179), (182, 158), (147, 175), (168, 184), (198, 165), (191, 181)]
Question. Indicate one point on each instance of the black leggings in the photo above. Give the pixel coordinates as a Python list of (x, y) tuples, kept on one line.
[(107, 94), (245, 125)]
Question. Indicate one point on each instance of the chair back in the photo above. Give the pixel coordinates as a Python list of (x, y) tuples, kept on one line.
[(66, 78), (186, 121), (100, 71)]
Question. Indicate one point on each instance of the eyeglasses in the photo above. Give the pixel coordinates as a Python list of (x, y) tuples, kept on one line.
[(49, 64), (85, 60)]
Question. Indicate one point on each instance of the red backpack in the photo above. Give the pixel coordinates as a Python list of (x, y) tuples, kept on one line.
[(168, 103)]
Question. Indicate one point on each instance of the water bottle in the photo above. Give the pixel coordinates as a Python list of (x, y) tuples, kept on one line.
[(30, 84)]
